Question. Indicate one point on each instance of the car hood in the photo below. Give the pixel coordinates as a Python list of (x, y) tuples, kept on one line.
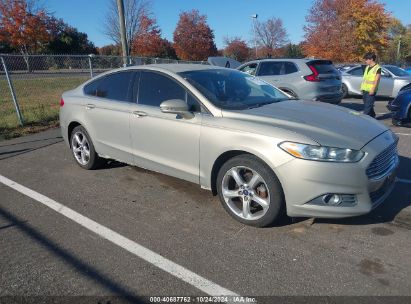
[(326, 124)]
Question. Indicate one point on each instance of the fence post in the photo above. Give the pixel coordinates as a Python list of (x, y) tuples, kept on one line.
[(13, 94), (90, 64)]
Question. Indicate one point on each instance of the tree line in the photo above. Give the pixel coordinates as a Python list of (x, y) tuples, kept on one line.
[(340, 30)]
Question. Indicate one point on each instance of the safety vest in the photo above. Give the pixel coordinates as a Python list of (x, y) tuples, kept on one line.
[(369, 78)]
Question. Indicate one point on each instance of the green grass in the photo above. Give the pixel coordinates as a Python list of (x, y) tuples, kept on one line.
[(38, 99)]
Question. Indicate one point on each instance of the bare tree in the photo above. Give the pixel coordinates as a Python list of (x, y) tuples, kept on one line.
[(271, 35), (134, 10)]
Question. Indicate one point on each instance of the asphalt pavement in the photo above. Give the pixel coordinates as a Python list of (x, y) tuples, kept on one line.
[(45, 253)]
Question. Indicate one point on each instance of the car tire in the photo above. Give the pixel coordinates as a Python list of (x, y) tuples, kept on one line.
[(250, 191), (344, 90), (397, 122), (83, 149)]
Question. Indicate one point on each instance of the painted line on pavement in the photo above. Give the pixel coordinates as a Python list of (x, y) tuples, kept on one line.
[(151, 257), (406, 134), (402, 180)]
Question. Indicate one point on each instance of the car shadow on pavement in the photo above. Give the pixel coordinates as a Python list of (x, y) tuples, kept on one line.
[(15, 149), (110, 164), (123, 295)]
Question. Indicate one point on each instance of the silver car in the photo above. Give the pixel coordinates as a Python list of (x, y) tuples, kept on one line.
[(310, 79), (262, 153), (392, 80)]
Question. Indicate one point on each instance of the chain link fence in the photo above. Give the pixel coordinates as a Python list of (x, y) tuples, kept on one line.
[(32, 85)]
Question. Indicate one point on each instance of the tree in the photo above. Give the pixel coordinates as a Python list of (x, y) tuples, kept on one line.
[(134, 10), (343, 30), (148, 42), (236, 48), (66, 39), (398, 47), (406, 45), (293, 51), (24, 27), (193, 38), (109, 50), (271, 36)]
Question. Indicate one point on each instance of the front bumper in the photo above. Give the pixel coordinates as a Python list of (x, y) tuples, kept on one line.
[(305, 181)]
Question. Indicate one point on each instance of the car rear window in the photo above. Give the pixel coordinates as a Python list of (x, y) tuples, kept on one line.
[(323, 66)]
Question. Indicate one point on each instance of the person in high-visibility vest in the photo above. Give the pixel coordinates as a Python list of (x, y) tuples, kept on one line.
[(370, 81)]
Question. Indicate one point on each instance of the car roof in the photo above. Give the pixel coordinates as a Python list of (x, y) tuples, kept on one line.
[(174, 67), (288, 59)]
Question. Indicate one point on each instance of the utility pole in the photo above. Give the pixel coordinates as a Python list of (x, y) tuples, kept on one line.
[(255, 33), (122, 21)]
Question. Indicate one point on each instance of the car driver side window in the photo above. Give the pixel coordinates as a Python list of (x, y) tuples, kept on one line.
[(155, 88)]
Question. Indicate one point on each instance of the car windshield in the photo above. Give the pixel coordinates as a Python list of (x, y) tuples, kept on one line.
[(396, 70), (234, 90)]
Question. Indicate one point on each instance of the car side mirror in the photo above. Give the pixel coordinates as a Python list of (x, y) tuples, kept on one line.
[(176, 106)]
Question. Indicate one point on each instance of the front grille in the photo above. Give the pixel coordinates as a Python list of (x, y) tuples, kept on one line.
[(383, 163), (378, 194)]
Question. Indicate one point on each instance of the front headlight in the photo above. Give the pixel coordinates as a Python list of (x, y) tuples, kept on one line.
[(321, 153)]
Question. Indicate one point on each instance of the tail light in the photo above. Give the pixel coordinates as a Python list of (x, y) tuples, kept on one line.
[(61, 102), (314, 76)]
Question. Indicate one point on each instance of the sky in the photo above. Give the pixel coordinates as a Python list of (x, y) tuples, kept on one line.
[(227, 18)]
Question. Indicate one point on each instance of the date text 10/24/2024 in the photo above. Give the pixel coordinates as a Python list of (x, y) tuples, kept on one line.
[(203, 299)]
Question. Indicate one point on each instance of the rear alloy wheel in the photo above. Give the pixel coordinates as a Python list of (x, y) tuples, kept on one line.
[(249, 191), (83, 149)]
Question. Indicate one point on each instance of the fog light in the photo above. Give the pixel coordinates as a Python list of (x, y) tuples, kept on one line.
[(332, 199)]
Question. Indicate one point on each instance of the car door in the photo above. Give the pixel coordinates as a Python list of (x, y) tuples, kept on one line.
[(353, 80), (164, 142), (386, 85), (107, 115)]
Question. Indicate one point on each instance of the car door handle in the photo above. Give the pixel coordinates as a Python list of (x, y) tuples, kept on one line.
[(139, 113), (90, 106)]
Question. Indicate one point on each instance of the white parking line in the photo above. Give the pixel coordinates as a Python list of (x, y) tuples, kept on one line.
[(403, 134), (157, 260), (402, 180)]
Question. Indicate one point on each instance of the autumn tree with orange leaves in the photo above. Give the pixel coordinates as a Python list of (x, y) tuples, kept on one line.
[(343, 30), (236, 48), (193, 38), (23, 27), (148, 42)]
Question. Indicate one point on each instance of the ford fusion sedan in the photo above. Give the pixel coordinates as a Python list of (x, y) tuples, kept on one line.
[(261, 152)]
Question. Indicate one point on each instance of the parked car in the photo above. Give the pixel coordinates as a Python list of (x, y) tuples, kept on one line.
[(345, 67), (310, 79), (224, 62), (392, 80), (401, 108), (261, 152)]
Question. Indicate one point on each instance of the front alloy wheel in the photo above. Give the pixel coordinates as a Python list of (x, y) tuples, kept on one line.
[(249, 191), (246, 193)]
